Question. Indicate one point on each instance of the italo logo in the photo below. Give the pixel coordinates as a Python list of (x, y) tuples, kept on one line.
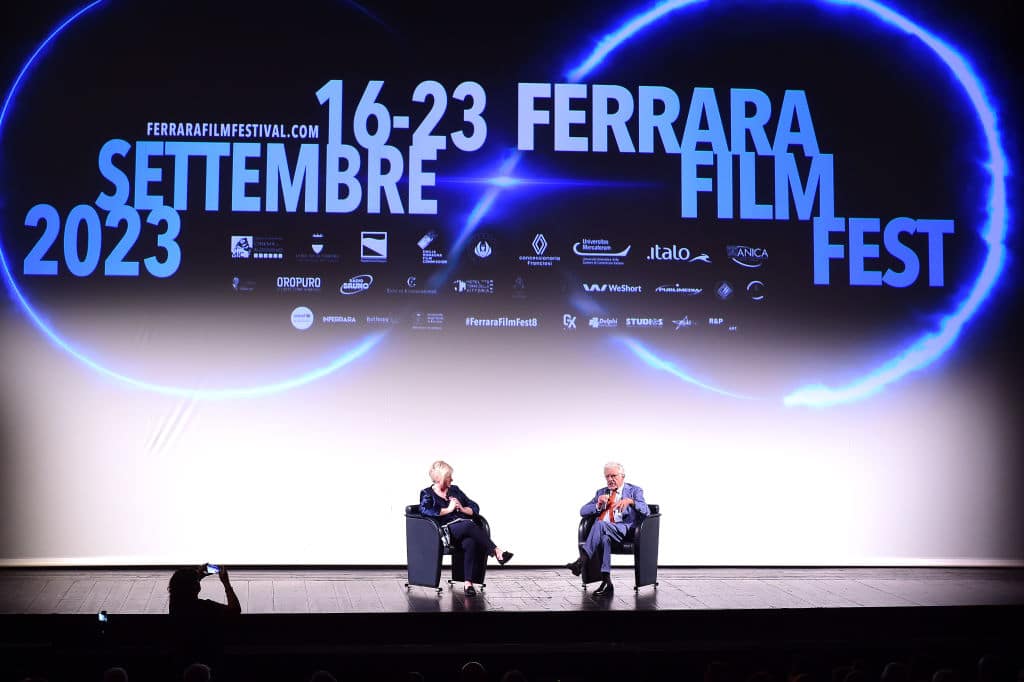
[(674, 252), (357, 284), (613, 288), (747, 256)]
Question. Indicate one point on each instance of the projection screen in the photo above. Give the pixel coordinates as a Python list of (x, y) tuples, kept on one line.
[(262, 267)]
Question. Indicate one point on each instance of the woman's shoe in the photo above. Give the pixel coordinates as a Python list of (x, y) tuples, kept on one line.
[(470, 591), (505, 558)]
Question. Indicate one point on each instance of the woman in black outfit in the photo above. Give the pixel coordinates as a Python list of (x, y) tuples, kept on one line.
[(452, 508)]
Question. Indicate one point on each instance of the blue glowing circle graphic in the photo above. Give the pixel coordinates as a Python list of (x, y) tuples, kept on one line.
[(346, 357), (927, 348), (917, 355)]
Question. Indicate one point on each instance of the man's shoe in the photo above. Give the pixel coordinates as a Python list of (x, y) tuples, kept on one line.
[(470, 591), (575, 566), (504, 558), (605, 589)]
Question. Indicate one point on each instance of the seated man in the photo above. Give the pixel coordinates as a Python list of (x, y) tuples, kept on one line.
[(616, 506)]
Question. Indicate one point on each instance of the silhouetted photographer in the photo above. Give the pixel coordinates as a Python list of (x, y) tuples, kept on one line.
[(198, 625)]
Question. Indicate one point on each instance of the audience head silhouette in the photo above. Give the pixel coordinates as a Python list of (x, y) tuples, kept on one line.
[(323, 676), (197, 672), (183, 587), (473, 671), (115, 675)]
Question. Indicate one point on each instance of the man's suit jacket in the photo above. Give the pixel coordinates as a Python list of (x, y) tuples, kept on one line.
[(630, 514)]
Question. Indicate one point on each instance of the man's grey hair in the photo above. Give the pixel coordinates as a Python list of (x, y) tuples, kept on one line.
[(616, 465)]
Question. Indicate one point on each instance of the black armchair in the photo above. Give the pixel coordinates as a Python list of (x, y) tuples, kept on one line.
[(642, 543), (424, 547)]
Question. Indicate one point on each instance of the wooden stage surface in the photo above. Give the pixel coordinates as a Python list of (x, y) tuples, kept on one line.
[(320, 591)]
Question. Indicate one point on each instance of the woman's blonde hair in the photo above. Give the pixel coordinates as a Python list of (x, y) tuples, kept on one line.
[(440, 468)]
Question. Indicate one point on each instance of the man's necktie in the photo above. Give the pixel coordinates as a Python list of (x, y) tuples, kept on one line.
[(607, 515)]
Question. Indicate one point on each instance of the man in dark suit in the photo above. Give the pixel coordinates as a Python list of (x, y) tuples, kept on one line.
[(617, 507)]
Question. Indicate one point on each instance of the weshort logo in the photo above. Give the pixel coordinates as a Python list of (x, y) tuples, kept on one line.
[(602, 288), (356, 284), (603, 322), (747, 256), (538, 259), (599, 252), (645, 322), (676, 289), (755, 289), (724, 290), (306, 284), (473, 286), (373, 247), (676, 253), (302, 318)]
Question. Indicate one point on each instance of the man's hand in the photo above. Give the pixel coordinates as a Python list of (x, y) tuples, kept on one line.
[(602, 501), (623, 503)]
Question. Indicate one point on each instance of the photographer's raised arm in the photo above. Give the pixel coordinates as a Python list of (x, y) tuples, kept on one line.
[(229, 592)]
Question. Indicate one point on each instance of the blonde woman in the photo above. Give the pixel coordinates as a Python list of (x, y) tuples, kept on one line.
[(453, 509)]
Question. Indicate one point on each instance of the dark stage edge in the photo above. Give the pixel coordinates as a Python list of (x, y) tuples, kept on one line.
[(694, 615)]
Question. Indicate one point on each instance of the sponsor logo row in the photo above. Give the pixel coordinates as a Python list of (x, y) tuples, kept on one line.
[(572, 322), (753, 289), (374, 248), (303, 318)]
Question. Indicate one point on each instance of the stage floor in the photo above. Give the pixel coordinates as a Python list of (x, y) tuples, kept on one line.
[(323, 591)]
